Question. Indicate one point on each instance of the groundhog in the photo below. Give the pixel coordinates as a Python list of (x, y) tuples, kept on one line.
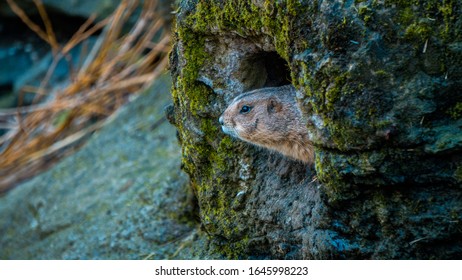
[(269, 118)]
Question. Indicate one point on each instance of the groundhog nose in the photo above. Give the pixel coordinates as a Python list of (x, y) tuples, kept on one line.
[(221, 120)]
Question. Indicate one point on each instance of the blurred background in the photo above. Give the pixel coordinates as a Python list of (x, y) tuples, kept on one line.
[(65, 66)]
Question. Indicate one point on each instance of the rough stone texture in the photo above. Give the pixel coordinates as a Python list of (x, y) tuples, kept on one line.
[(379, 82), (122, 196)]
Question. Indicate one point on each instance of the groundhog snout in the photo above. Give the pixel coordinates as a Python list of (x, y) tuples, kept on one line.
[(220, 120)]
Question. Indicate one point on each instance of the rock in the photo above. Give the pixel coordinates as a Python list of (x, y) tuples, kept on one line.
[(122, 196), (379, 83)]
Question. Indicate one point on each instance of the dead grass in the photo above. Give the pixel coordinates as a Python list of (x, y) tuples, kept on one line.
[(118, 65)]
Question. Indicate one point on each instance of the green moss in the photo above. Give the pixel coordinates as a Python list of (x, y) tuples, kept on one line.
[(407, 16), (329, 174), (422, 19), (337, 89), (326, 89), (366, 13), (194, 54), (446, 9), (458, 174), (221, 157), (247, 19), (418, 31), (188, 90), (456, 111), (382, 74), (344, 138), (233, 250), (325, 92), (381, 208)]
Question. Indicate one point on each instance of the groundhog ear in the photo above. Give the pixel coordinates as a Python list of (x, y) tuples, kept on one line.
[(274, 105)]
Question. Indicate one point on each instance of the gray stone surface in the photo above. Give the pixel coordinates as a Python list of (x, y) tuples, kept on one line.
[(121, 196)]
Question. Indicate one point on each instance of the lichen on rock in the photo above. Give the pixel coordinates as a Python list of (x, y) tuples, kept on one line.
[(378, 82)]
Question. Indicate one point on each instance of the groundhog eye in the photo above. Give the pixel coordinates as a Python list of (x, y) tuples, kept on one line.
[(245, 109)]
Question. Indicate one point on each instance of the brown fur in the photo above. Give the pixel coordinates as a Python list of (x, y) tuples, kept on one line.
[(273, 122)]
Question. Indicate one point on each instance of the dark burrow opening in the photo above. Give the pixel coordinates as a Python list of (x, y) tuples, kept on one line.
[(267, 69), (277, 70)]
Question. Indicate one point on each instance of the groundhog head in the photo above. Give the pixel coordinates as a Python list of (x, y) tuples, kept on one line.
[(254, 117), (269, 118)]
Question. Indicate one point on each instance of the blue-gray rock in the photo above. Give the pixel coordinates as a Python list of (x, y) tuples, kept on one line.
[(121, 196)]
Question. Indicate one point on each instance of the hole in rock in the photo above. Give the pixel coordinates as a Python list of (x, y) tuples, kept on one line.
[(266, 69)]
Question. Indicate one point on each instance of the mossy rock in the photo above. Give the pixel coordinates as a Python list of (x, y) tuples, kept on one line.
[(378, 82)]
